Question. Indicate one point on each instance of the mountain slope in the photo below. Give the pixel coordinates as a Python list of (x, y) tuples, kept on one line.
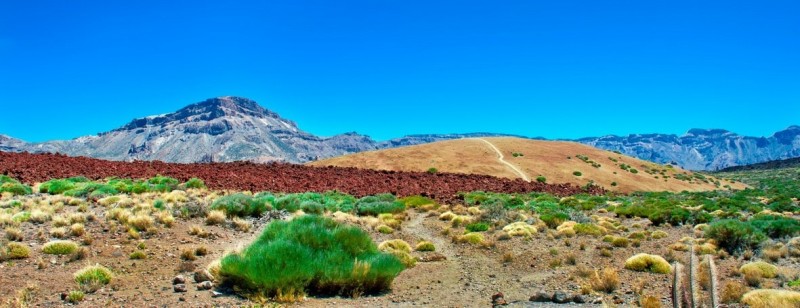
[(701, 149), (555, 160), (218, 129), (770, 165)]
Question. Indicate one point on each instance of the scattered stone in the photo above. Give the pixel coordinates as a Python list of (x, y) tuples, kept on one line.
[(216, 294), (498, 300), (180, 279), (540, 297), (578, 299), (205, 285), (182, 299), (560, 297), (179, 288), (432, 257)]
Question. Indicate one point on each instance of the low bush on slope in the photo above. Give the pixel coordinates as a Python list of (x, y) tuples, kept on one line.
[(310, 255)]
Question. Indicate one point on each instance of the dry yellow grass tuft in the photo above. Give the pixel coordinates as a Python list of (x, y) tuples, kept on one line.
[(762, 269), (520, 228), (215, 217), (605, 281), (766, 298), (648, 263)]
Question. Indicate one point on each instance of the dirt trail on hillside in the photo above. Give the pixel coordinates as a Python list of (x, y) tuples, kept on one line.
[(501, 158)]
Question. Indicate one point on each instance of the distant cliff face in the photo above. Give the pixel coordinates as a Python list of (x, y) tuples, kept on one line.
[(218, 129), (701, 149)]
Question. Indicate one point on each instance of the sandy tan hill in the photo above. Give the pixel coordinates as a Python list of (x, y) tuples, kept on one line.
[(556, 161)]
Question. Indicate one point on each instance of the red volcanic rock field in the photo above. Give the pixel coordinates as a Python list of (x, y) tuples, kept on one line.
[(276, 177)]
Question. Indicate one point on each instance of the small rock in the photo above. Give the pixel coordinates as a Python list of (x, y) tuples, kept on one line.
[(540, 297), (205, 285), (216, 294), (64, 296), (578, 299), (498, 300), (598, 300), (182, 299), (179, 288), (179, 280), (560, 297)]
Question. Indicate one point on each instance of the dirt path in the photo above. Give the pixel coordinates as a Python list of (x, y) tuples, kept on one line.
[(501, 158)]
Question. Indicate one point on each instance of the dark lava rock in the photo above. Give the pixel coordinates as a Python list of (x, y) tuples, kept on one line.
[(179, 288), (560, 297), (205, 285), (541, 297), (179, 280)]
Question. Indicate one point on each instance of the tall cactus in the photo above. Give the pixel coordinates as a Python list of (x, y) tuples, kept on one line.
[(712, 272), (677, 285), (693, 287)]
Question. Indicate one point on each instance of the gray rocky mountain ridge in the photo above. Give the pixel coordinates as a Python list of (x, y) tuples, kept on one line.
[(232, 128)]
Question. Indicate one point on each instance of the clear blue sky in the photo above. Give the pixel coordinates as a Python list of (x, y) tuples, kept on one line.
[(386, 68)]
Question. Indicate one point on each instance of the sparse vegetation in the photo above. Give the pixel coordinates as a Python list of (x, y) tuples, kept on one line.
[(60, 247), (92, 278)]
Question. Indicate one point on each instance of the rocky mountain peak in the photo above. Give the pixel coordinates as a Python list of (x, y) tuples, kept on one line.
[(229, 105), (700, 132), (788, 135), (211, 110)]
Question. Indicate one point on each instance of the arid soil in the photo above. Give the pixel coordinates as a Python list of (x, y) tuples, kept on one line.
[(455, 275), (555, 160)]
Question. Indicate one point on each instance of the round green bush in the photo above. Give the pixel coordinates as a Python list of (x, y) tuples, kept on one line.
[(310, 255), (734, 236)]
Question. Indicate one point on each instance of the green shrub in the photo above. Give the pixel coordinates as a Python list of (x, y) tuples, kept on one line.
[(240, 205), (734, 236), (75, 296), (59, 247), (432, 170), (92, 278), (195, 183), (162, 184), (541, 179), (477, 227), (380, 204), (425, 246), (577, 173), (310, 254), (54, 187), (417, 201), (10, 185), (776, 226)]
